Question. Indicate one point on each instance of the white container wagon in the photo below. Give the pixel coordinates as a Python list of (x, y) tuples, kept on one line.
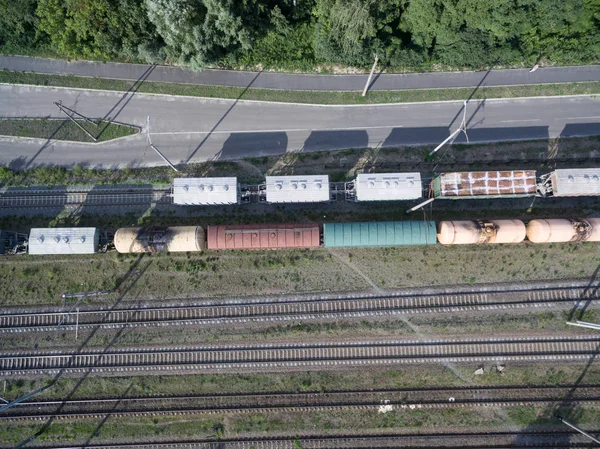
[(64, 241)]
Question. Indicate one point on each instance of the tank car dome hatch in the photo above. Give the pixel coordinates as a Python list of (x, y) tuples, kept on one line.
[(594, 234), (160, 239)]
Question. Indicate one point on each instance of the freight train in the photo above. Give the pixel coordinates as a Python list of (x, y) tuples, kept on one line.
[(284, 236), (317, 188), (388, 187)]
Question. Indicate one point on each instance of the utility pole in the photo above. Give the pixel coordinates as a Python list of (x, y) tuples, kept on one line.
[(154, 148), (420, 205), (370, 76), (572, 426), (585, 324), (462, 127), (64, 110), (77, 324)]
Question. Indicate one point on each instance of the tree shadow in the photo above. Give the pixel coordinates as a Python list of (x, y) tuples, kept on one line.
[(252, 144), (336, 140), (222, 118), (124, 284)]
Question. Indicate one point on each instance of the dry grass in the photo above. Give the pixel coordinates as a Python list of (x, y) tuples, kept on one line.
[(28, 280)]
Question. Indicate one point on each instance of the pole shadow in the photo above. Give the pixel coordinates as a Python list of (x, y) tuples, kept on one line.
[(222, 118), (458, 114), (125, 99), (124, 284), (590, 292)]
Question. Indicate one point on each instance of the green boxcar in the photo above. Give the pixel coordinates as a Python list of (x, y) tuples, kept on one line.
[(383, 233)]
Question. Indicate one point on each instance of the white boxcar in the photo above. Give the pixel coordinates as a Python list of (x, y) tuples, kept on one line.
[(64, 240), (297, 189), (205, 191), (576, 182), (388, 186)]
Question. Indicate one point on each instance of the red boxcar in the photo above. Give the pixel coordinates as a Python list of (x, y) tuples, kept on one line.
[(263, 236)]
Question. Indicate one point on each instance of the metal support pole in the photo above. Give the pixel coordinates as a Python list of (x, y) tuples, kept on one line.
[(462, 127), (585, 324), (60, 108), (564, 421), (24, 398), (156, 149), (69, 312), (370, 76), (77, 324), (420, 205), (163, 157), (60, 105)]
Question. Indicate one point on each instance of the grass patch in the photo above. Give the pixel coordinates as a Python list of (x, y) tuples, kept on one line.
[(64, 129), (311, 97), (33, 280)]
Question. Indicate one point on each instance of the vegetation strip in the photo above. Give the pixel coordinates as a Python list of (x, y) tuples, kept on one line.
[(309, 97), (65, 129)]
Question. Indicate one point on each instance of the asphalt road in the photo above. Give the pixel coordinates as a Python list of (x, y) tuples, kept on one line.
[(301, 81), (192, 129)]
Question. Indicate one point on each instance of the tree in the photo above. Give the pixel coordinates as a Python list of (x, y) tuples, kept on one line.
[(17, 23), (101, 29), (352, 30)]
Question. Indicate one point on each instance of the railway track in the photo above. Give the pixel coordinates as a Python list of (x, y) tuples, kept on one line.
[(223, 358), (17, 199), (559, 439), (382, 401), (295, 309)]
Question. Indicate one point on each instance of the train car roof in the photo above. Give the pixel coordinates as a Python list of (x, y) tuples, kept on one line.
[(205, 191), (493, 183), (388, 186), (576, 182), (63, 240), (297, 189)]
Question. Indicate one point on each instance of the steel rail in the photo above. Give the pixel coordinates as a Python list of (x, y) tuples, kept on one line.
[(302, 402), (302, 355), (107, 197), (292, 310)]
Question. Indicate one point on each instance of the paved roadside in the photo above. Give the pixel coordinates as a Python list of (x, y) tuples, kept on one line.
[(268, 80)]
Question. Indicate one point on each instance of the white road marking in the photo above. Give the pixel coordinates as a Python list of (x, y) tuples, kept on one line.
[(519, 121), (577, 118)]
